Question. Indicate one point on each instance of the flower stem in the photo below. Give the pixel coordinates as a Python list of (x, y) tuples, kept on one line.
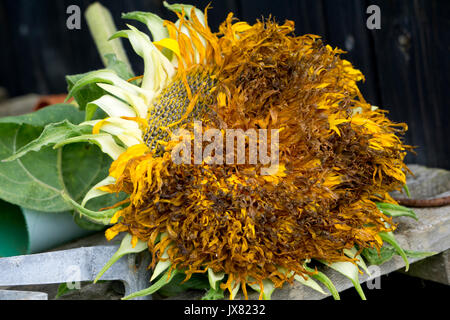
[(102, 27)]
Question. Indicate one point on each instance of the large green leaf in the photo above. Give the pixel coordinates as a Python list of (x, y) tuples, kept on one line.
[(37, 180), (52, 134), (52, 114)]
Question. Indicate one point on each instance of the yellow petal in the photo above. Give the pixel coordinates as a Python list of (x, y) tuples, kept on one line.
[(116, 217), (170, 44)]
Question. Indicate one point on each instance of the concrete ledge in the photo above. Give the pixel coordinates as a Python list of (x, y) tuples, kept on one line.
[(435, 268), (22, 295)]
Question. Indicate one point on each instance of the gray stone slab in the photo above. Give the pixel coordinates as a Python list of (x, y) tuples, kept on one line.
[(426, 182), (22, 295), (74, 266), (435, 268)]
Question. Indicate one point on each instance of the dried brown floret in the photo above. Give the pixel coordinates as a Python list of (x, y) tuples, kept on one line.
[(337, 155)]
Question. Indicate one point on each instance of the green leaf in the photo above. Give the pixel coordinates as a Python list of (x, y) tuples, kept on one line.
[(394, 210), (268, 289), (101, 25), (214, 278), (373, 258), (86, 94), (419, 254), (90, 91), (86, 224), (386, 254), (309, 283), (52, 134), (125, 248), (45, 116), (153, 22), (405, 187), (98, 217), (179, 7), (351, 253), (214, 294), (63, 289), (390, 238), (177, 286), (320, 276), (118, 66), (36, 180), (350, 271), (164, 280)]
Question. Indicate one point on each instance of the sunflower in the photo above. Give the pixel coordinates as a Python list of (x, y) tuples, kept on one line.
[(337, 156)]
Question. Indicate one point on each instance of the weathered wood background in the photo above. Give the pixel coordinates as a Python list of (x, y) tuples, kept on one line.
[(406, 62)]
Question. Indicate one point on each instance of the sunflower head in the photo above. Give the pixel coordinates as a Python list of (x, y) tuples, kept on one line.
[(336, 154)]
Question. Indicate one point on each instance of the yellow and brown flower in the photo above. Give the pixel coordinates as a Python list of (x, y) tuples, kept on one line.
[(337, 153)]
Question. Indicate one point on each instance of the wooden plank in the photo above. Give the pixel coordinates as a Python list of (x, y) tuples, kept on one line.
[(412, 60), (346, 29)]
